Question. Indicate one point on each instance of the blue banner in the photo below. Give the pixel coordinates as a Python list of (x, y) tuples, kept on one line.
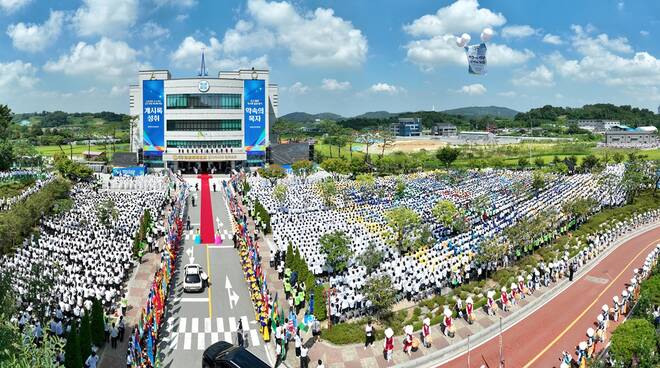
[(153, 117), (129, 171), (476, 55), (254, 108)]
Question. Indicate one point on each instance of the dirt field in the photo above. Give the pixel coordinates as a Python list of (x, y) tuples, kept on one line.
[(411, 145)]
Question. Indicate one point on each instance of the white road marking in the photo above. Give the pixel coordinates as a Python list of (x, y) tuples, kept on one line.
[(201, 345), (214, 337), (182, 324), (192, 300), (232, 324), (195, 325), (207, 325), (220, 246), (255, 337), (187, 340), (227, 337), (221, 325), (244, 320)]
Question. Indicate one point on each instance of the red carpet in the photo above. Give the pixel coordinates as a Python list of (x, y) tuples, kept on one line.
[(207, 230)]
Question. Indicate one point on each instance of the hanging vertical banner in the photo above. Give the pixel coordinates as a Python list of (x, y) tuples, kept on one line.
[(476, 55), (153, 117), (254, 108)]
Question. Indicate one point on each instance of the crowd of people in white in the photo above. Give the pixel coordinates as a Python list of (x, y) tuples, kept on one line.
[(41, 179), (83, 255), (302, 217)]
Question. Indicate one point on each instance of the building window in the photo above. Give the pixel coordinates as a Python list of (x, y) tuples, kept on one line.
[(204, 125), (204, 101), (194, 144)]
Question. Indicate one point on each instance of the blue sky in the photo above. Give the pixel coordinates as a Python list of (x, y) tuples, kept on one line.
[(347, 57)]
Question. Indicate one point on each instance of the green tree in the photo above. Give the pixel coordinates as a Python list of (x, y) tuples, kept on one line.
[(400, 188), (6, 154), (579, 208), (539, 162), (590, 163), (72, 170), (634, 340), (328, 191), (617, 157), (491, 250), (371, 258), (335, 246), (272, 172), (97, 323), (72, 357), (386, 140), (280, 193), (635, 178), (107, 211), (366, 182), (447, 155), (302, 167), (523, 162), (381, 293), (538, 180), (85, 337), (444, 212), (404, 223), (335, 166), (5, 121)]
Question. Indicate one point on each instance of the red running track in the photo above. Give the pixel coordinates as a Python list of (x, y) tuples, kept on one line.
[(207, 230), (539, 339)]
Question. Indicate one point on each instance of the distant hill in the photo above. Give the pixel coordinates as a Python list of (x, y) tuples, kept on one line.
[(376, 115), (478, 111), (303, 117)]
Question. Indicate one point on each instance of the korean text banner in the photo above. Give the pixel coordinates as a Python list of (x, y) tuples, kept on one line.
[(254, 108), (476, 55), (153, 117)]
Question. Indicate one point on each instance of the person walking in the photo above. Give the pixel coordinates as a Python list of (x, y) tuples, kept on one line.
[(239, 334), (122, 328), (297, 343), (368, 335), (388, 344), (114, 334), (214, 187), (571, 271), (304, 359)]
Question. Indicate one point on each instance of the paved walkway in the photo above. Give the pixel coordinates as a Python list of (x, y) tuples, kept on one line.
[(528, 331)]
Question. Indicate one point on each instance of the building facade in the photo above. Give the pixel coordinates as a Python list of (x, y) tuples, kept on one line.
[(203, 123), (632, 139), (407, 127), (444, 129)]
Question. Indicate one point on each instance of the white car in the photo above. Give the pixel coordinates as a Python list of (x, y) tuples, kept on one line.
[(193, 279)]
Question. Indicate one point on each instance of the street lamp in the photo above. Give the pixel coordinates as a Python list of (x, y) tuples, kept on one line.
[(254, 74)]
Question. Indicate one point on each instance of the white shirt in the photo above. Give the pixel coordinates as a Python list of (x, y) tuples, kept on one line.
[(91, 361)]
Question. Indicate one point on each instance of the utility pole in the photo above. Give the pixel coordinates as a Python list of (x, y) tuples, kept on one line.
[(501, 365)]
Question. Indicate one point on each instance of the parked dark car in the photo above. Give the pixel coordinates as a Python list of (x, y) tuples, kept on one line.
[(225, 355)]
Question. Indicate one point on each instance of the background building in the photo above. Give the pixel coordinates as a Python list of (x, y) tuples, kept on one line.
[(638, 138), (407, 127), (444, 129), (203, 123)]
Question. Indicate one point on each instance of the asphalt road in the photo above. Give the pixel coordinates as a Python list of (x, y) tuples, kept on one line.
[(197, 320), (560, 324)]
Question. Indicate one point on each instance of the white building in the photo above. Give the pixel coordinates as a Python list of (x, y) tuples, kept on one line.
[(203, 122)]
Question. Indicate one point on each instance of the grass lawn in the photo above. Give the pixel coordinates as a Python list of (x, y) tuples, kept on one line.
[(79, 149), (13, 188)]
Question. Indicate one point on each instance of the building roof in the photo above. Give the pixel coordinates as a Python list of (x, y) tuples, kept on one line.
[(445, 125), (629, 132)]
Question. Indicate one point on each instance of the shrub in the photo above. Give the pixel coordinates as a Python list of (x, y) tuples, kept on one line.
[(72, 348), (634, 339), (345, 333), (97, 324), (85, 337)]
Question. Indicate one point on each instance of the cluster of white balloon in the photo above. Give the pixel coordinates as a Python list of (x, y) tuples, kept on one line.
[(476, 54)]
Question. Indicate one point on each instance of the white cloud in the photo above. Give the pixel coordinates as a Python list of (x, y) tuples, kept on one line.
[(119, 90), (334, 85), (518, 31), (317, 38), (16, 74), (152, 30), (620, 5), (599, 61), (461, 16), (11, 6), (243, 35), (102, 17), (507, 94), (559, 96), (475, 89), (179, 3), (385, 88), (552, 39), (107, 59), (298, 88), (35, 37), (539, 77), (181, 17), (442, 50), (644, 33), (188, 55)]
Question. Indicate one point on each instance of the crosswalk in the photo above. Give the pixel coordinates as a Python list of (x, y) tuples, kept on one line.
[(199, 333)]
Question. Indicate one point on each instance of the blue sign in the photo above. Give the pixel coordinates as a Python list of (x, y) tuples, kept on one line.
[(153, 118), (129, 171), (254, 108)]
